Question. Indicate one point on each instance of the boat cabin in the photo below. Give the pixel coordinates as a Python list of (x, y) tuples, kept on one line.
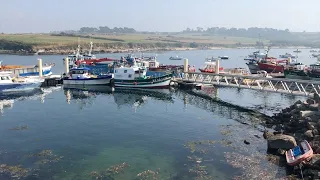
[(80, 73), (315, 67), (129, 73), (5, 77), (296, 66), (89, 57)]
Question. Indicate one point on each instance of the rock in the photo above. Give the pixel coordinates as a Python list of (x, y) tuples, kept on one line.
[(246, 142), (267, 134), (310, 125), (316, 97), (308, 134), (304, 114), (281, 141), (298, 102), (314, 107), (315, 132), (281, 151), (311, 101)]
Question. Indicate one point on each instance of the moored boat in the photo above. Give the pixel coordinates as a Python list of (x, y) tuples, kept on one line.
[(272, 66), (82, 76), (18, 70), (176, 58), (297, 51), (288, 55), (210, 66), (252, 65), (135, 77), (7, 84), (301, 153), (296, 71), (314, 71)]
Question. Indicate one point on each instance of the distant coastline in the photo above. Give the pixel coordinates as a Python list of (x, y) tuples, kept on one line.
[(63, 44), (122, 50)]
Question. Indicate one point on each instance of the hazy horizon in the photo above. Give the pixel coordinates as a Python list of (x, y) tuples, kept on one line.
[(35, 16)]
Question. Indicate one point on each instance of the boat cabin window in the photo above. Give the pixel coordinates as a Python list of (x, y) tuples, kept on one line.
[(4, 78), (125, 71), (129, 76), (115, 71)]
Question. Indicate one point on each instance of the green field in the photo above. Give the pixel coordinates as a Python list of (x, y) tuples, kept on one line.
[(49, 40)]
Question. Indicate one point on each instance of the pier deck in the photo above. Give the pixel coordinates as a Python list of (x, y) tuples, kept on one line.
[(280, 85)]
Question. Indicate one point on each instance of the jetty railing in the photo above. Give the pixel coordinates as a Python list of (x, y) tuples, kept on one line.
[(280, 85)]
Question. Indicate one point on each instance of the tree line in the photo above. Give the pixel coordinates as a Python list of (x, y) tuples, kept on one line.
[(106, 30), (252, 32)]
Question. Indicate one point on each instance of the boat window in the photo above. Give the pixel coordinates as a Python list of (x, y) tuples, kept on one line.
[(137, 72), (115, 71), (125, 71), (129, 76)]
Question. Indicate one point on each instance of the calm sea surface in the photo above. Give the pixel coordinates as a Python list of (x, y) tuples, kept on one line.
[(98, 133)]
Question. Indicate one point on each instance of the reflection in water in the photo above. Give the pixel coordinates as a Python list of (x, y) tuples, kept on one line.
[(122, 97), (6, 104)]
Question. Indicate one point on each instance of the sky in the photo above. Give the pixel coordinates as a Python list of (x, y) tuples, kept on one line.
[(40, 16)]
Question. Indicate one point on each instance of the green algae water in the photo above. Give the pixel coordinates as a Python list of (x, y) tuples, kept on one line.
[(98, 133)]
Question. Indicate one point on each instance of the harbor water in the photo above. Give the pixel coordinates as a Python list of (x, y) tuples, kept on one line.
[(102, 133)]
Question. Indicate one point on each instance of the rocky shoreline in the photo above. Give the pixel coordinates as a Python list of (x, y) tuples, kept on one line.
[(294, 124)]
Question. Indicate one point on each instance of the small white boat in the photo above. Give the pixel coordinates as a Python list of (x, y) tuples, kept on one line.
[(176, 58), (224, 57), (299, 154), (19, 84), (297, 51), (288, 55), (82, 76)]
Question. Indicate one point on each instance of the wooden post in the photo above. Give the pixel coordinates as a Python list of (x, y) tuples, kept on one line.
[(40, 67), (66, 62), (185, 68)]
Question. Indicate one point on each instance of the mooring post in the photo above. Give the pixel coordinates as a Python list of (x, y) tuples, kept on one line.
[(40, 67), (66, 62), (217, 71), (185, 68)]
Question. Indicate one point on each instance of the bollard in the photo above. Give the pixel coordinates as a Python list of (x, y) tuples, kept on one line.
[(66, 63), (217, 71), (40, 67), (185, 68)]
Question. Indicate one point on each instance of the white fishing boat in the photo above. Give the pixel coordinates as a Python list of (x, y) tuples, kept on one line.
[(288, 55), (176, 58), (33, 70), (135, 77), (7, 84), (82, 76)]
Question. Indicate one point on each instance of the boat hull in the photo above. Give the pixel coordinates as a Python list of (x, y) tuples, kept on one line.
[(300, 74), (156, 82), (88, 81), (158, 85), (271, 68), (19, 86), (253, 68)]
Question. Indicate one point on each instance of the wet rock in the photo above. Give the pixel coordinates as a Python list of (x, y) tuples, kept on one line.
[(316, 97), (315, 132), (313, 107), (304, 114), (310, 125), (281, 141), (311, 101), (308, 134), (281, 151)]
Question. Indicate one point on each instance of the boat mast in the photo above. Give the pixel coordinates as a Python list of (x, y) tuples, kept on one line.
[(78, 49)]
